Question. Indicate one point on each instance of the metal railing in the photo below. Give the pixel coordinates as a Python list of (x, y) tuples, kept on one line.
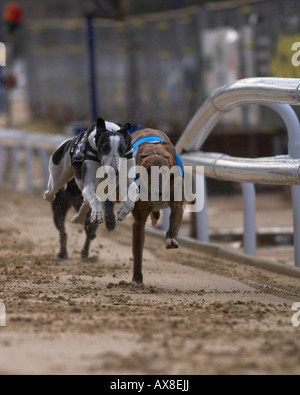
[(24, 157), (276, 93)]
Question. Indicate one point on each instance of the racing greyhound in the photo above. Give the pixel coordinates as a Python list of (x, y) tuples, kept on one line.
[(103, 144)]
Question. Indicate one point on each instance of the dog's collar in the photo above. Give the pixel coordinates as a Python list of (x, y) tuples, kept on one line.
[(147, 139), (155, 140)]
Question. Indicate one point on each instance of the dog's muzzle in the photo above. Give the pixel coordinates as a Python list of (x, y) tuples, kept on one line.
[(114, 163)]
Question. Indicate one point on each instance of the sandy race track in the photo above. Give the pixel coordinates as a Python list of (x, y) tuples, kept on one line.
[(196, 314)]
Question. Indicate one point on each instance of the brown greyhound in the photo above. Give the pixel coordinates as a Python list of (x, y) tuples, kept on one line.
[(148, 155)]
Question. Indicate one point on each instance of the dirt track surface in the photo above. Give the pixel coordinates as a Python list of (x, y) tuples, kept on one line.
[(195, 314)]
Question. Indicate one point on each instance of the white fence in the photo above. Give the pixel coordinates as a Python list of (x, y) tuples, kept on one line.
[(24, 158)]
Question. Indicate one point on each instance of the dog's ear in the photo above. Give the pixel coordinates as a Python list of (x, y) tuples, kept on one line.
[(101, 127), (128, 139), (125, 128)]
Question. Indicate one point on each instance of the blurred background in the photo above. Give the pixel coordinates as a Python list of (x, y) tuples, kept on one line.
[(149, 62), (154, 62)]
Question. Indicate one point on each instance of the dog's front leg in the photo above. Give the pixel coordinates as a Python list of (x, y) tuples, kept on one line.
[(95, 203), (138, 240), (132, 192), (90, 182), (140, 214), (175, 223), (128, 205), (97, 216)]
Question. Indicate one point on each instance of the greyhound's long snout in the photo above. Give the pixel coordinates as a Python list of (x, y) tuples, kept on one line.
[(115, 165)]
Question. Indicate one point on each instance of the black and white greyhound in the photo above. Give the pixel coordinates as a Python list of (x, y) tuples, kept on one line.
[(103, 144)]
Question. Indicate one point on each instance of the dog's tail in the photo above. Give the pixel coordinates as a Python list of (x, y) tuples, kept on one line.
[(110, 220)]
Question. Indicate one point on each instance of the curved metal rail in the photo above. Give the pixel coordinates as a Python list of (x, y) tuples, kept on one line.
[(224, 99), (274, 170), (276, 93)]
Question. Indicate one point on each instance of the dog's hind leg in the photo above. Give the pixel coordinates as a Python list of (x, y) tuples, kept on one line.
[(110, 219), (80, 217), (60, 175), (60, 207), (90, 230), (155, 217), (175, 223)]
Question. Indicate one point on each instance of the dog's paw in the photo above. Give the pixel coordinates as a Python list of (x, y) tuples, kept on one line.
[(124, 210), (97, 216), (48, 196), (172, 244), (62, 255), (137, 284), (137, 280), (84, 254)]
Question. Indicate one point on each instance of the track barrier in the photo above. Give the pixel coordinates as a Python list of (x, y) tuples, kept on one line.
[(24, 158), (278, 94)]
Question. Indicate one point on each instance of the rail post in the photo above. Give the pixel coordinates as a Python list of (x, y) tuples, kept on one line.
[(291, 121)]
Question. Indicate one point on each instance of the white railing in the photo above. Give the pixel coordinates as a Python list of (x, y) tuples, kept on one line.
[(24, 157)]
